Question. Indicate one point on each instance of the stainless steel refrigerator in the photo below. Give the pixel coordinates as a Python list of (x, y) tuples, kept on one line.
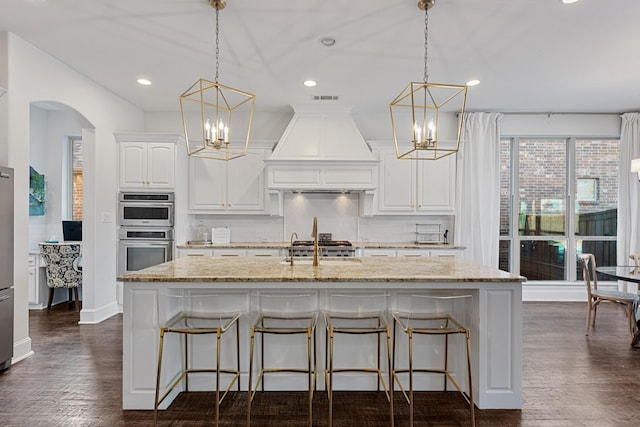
[(6, 267)]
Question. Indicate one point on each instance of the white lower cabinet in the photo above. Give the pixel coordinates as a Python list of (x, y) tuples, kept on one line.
[(412, 253), (446, 253), (189, 252), (264, 253), (229, 252), (278, 253), (33, 281), (379, 253)]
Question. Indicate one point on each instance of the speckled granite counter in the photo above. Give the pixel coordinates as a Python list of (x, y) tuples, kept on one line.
[(206, 269), (495, 317), (365, 245)]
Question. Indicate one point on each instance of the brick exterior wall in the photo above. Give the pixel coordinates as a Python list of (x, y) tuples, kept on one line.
[(77, 195), (77, 179), (542, 166), (541, 202)]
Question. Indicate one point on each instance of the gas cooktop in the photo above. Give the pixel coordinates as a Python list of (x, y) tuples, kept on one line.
[(322, 243)]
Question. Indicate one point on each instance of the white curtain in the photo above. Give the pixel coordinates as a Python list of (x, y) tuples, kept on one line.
[(477, 223), (628, 188)]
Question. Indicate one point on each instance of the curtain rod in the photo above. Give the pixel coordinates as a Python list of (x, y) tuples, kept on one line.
[(545, 114), (562, 114)]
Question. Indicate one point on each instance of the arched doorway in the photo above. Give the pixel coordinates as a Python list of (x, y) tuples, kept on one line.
[(57, 134)]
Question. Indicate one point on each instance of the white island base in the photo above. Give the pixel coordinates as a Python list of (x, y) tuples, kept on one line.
[(495, 321)]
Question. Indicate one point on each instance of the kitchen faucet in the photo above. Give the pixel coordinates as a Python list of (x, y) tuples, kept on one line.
[(291, 248), (314, 234)]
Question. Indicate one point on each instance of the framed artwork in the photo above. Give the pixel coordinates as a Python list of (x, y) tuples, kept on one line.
[(36, 193)]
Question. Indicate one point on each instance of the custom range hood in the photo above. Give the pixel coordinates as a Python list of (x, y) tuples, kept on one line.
[(322, 150)]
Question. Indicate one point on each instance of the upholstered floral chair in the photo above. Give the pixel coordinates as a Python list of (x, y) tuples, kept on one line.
[(62, 268)]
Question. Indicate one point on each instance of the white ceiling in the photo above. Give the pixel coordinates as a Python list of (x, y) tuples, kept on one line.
[(531, 56)]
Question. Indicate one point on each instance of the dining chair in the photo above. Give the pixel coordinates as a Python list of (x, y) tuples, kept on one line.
[(625, 300), (62, 269)]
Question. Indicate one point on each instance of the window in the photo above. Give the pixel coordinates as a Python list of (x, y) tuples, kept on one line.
[(558, 199), (74, 171)]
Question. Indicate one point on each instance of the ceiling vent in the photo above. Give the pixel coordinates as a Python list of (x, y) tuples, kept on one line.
[(326, 97)]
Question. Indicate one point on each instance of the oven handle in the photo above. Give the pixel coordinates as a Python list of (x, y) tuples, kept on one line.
[(146, 204), (147, 242)]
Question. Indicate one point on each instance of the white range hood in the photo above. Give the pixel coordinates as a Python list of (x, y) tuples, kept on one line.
[(322, 150)]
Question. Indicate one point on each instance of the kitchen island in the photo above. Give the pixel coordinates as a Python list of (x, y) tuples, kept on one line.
[(495, 318)]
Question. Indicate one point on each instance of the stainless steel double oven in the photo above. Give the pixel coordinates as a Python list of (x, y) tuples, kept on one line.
[(146, 230)]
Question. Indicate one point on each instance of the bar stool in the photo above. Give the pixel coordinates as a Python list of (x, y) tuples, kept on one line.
[(282, 315), (189, 314), (358, 315), (438, 317)]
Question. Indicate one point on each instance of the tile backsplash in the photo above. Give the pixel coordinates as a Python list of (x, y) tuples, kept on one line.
[(337, 214)]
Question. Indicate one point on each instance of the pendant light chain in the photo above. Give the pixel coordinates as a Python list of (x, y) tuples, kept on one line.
[(217, 44), (426, 43)]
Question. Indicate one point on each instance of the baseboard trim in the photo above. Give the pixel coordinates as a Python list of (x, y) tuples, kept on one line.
[(97, 315)]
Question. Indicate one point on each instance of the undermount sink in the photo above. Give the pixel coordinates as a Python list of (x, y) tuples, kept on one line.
[(326, 261)]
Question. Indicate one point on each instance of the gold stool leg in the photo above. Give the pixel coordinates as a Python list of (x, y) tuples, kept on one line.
[(250, 386), (310, 377), (217, 409), (410, 334), (330, 382), (390, 376), (158, 372), (471, 404)]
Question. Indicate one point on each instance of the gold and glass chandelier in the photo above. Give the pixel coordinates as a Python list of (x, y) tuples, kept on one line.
[(207, 108), (415, 111)]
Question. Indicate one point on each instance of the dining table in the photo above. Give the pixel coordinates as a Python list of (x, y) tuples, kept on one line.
[(627, 273)]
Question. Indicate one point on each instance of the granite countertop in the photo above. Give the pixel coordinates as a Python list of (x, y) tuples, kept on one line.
[(279, 245), (207, 269)]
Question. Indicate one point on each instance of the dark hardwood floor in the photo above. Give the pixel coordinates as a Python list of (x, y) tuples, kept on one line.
[(74, 379)]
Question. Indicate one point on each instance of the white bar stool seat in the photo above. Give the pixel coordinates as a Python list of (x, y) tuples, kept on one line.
[(192, 314), (437, 319), (280, 314), (358, 315)]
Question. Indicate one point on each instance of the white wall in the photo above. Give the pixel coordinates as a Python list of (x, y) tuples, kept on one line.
[(34, 76), (38, 160), (595, 125)]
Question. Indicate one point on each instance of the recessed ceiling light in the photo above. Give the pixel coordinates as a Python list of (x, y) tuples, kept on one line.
[(144, 82), (569, 1), (310, 83), (473, 82), (328, 41)]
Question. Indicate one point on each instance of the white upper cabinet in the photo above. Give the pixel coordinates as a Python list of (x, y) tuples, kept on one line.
[(436, 185), (236, 186), (415, 186), (147, 161)]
